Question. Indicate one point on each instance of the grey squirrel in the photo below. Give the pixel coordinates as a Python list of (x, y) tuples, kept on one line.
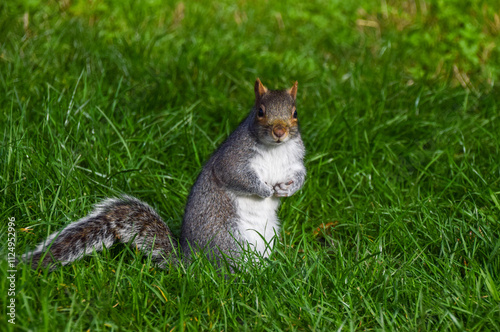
[(231, 207)]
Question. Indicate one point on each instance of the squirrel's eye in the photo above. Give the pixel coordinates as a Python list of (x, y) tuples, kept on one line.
[(295, 114), (261, 112)]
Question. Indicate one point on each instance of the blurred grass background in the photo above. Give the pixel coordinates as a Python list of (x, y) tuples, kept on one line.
[(397, 226)]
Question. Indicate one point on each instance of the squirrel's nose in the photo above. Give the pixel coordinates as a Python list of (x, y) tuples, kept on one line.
[(279, 131)]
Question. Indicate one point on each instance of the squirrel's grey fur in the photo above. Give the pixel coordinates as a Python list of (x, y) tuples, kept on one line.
[(232, 205)]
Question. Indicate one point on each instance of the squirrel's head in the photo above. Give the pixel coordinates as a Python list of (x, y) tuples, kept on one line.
[(275, 115)]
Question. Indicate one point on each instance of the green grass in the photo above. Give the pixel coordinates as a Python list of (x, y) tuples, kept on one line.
[(399, 108)]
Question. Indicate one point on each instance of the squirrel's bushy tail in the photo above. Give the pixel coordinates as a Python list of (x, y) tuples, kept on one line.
[(124, 219)]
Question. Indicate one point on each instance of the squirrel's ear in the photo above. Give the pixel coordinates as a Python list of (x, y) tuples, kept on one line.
[(293, 90), (260, 89)]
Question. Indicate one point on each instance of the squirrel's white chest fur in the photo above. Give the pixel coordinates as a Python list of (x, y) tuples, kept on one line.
[(258, 221)]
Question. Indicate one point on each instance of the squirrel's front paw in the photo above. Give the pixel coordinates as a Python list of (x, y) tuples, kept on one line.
[(266, 191), (285, 189)]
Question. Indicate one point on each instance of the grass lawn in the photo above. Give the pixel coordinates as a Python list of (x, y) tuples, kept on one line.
[(396, 228)]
